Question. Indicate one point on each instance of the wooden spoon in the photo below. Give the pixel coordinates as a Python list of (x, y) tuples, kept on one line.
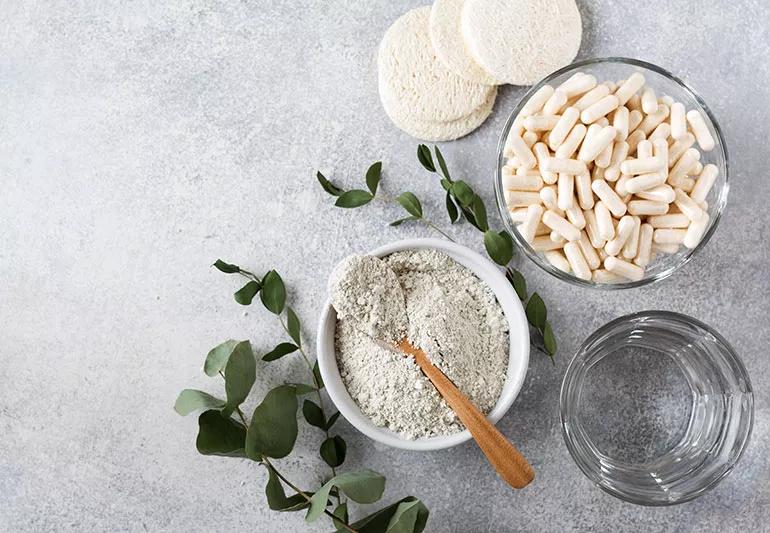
[(501, 454)]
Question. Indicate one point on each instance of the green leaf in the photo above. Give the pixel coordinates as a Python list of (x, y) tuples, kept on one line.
[(408, 518), (518, 282), (426, 160), (451, 208), (279, 351), (218, 435), (190, 400), (333, 451), (463, 193), (341, 512), (317, 374), (468, 214), (446, 184), (499, 248), (218, 356), (313, 414), (301, 389), (273, 293), (401, 221), (365, 486), (480, 213), (246, 294), (227, 268), (536, 311), (240, 373), (410, 203), (332, 420), (276, 497), (273, 428), (328, 186), (373, 176), (441, 163), (293, 326), (379, 521), (549, 339), (354, 198)]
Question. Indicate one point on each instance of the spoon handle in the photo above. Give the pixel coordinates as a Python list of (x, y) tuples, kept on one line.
[(509, 463)]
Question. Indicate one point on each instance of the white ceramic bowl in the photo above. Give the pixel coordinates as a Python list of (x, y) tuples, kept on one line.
[(517, 362)]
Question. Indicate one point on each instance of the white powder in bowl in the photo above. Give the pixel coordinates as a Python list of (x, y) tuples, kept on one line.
[(455, 318)]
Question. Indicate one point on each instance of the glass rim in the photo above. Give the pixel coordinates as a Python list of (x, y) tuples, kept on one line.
[(575, 376), (536, 257)]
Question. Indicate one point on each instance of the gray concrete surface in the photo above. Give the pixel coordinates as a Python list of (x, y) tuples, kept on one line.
[(140, 141)]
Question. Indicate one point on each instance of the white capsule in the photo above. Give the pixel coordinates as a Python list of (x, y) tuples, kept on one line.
[(522, 151), (576, 260), (678, 122), (554, 104), (592, 229), (605, 227), (565, 166), (679, 148), (687, 184), (635, 118), (620, 186), (526, 182), (591, 148), (671, 220), (666, 99), (555, 236), (643, 254), (668, 236), (591, 97), (521, 198), (624, 268), (662, 193), (549, 197), (644, 182), (601, 275), (647, 207), (563, 127), (620, 122), (544, 244), (643, 165), (622, 233), (619, 153), (649, 101), (567, 148), (541, 153), (575, 217), (644, 149), (537, 100), (560, 224), (530, 137), (695, 232), (651, 121), (630, 87), (540, 122), (660, 150), (660, 248), (634, 104), (598, 110), (591, 257), (704, 183), (583, 189), (532, 220), (566, 191), (517, 214), (605, 156), (695, 169), (687, 205), (661, 131), (577, 85), (609, 198), (633, 141), (631, 247), (558, 260), (679, 171), (701, 131)]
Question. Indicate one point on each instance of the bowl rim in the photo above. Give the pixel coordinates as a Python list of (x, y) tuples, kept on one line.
[(565, 416), (685, 258), (518, 353)]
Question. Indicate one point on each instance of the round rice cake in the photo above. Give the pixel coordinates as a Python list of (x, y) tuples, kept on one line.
[(418, 80), (521, 41), (445, 34), (428, 130)]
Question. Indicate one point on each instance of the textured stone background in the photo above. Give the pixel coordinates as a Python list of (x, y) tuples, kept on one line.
[(140, 141)]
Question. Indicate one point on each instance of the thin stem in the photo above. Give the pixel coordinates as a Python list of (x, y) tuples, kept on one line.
[(432, 226)]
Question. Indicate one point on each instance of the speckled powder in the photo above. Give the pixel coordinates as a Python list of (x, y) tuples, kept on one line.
[(454, 317)]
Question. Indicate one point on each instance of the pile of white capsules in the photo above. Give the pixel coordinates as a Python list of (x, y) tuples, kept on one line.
[(602, 176)]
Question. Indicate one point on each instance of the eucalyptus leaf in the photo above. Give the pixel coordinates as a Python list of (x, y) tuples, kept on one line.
[(218, 435), (276, 496), (446, 184), (354, 198), (408, 518), (451, 209), (463, 193), (191, 400), (227, 268), (273, 428), (240, 373), (328, 186), (373, 176), (313, 414), (536, 311), (273, 293), (246, 294), (379, 521), (301, 389), (480, 213), (365, 486), (499, 248), (426, 160), (279, 351), (549, 339), (410, 203), (218, 356), (401, 221), (518, 282), (292, 324), (441, 163), (341, 512), (317, 375), (332, 420), (333, 451)]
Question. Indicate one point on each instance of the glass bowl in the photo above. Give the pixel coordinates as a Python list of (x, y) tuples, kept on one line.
[(656, 408), (664, 83)]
